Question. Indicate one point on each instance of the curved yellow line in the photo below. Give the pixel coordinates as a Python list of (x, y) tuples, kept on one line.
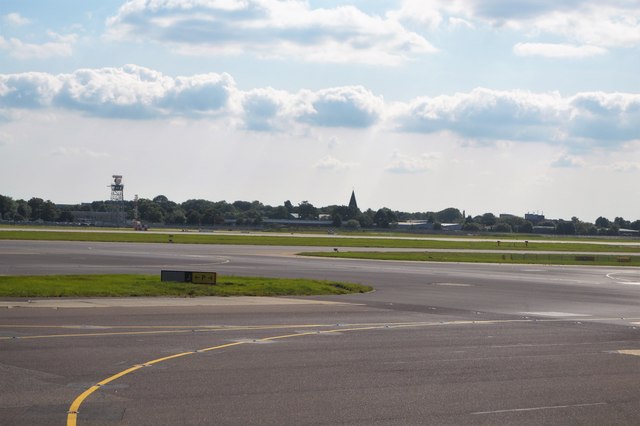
[(72, 414)]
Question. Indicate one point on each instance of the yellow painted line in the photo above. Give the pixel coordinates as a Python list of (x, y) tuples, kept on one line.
[(635, 352), (74, 409), (72, 415)]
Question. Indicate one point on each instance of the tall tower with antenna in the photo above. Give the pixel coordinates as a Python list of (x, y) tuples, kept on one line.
[(117, 200)]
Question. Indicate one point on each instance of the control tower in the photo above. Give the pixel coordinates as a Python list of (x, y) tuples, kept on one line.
[(117, 200)]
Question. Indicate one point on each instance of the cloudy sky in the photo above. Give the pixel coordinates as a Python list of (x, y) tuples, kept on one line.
[(485, 105)]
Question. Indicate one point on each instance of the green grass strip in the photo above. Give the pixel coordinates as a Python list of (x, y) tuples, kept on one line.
[(270, 240), (150, 285), (518, 258)]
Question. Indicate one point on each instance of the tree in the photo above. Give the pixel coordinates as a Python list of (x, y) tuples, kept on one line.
[(621, 223), (366, 220), (352, 224), (212, 217), (471, 227), (526, 227), (36, 208), (99, 206), (449, 215), (66, 216), (565, 228), (164, 204), (602, 222), (488, 219), (150, 211), (288, 206), (502, 227), (49, 212), (343, 211), (384, 217), (176, 217), (23, 210), (8, 208), (194, 217), (279, 212), (243, 206), (336, 220), (307, 211)]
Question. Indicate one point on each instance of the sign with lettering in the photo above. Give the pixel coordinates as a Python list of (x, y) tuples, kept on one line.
[(203, 277), (189, 277)]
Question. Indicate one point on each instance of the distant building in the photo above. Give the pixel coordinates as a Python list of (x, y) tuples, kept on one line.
[(424, 224), (544, 229), (534, 218)]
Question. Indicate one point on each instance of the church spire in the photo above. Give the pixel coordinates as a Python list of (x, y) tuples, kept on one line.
[(352, 202)]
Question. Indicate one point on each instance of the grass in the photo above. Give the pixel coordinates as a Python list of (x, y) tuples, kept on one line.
[(150, 285), (266, 239), (519, 258)]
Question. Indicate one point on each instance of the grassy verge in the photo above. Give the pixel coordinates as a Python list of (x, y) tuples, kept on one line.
[(520, 258), (265, 239), (150, 285)]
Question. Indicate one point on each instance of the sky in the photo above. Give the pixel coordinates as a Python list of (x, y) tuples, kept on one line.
[(497, 106)]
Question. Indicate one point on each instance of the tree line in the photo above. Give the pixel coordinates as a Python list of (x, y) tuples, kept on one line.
[(575, 226), (199, 212)]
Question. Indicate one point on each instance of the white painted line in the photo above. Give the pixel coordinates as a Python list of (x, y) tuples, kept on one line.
[(624, 277), (554, 314), (453, 285), (553, 407), (138, 302)]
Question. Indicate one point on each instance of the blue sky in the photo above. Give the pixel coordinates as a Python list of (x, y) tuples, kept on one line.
[(484, 105)]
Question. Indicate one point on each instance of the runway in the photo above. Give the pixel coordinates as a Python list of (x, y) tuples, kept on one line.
[(434, 344)]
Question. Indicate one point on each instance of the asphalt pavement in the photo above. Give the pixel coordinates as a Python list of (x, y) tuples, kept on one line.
[(435, 343)]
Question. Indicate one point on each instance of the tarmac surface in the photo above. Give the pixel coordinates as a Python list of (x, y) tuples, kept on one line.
[(436, 343)]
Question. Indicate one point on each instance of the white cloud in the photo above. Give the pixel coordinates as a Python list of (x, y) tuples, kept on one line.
[(626, 167), (331, 163), (136, 92), (61, 46), (412, 164), (5, 139), (583, 24), (482, 116), (267, 109), (268, 28), (568, 161), (423, 12), (605, 117), (600, 118), (15, 19), (350, 106), (488, 114), (63, 151), (612, 24), (28, 90), (553, 50)]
